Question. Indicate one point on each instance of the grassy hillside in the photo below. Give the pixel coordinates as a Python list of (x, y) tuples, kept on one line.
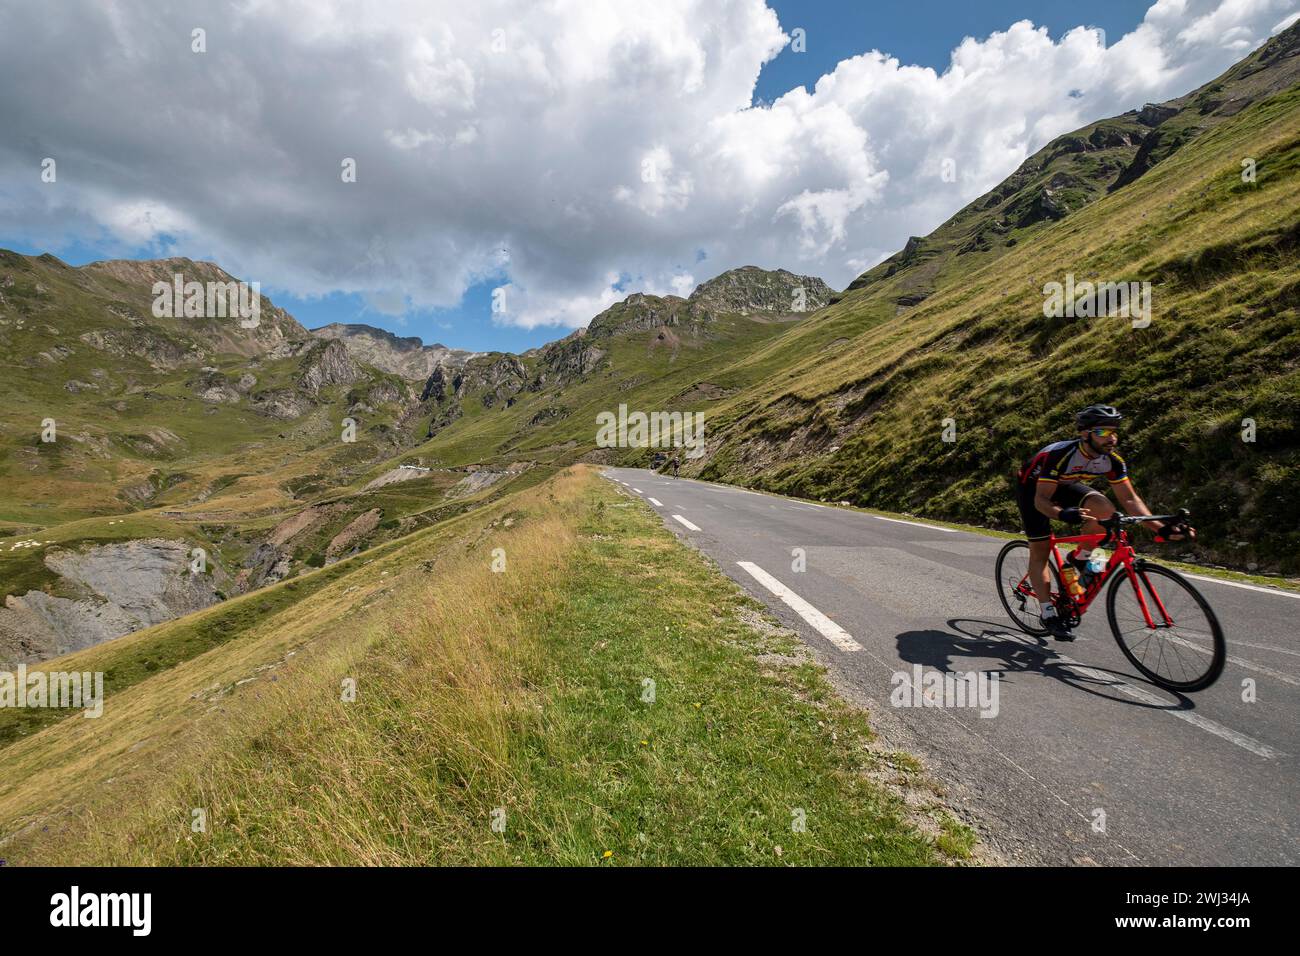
[(861, 417), (850, 403), (521, 693), (652, 369), (188, 429)]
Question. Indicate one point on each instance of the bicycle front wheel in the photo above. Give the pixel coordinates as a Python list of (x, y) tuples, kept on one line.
[(1166, 628)]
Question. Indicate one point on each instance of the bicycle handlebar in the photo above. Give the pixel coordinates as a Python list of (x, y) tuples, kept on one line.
[(1112, 524), (1120, 517)]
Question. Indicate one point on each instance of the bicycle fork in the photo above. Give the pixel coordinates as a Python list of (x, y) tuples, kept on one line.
[(1134, 568)]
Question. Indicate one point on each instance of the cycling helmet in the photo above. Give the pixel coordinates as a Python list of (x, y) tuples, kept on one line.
[(1098, 415)]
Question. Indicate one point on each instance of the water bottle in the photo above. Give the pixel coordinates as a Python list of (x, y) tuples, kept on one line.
[(1070, 577), (1096, 562)]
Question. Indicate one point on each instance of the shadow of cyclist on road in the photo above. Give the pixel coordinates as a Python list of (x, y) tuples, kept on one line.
[(972, 641)]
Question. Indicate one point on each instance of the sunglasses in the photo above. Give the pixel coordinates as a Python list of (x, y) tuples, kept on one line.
[(1105, 432)]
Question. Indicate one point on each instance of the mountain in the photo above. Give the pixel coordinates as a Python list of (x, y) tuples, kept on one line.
[(274, 450), (851, 403), (749, 290), (132, 437), (1198, 197), (407, 357), (277, 451), (1077, 169)]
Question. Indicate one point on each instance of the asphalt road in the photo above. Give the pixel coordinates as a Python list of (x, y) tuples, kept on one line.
[(1083, 760)]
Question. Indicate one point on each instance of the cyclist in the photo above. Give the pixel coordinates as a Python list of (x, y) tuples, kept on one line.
[(1051, 485), (675, 463)]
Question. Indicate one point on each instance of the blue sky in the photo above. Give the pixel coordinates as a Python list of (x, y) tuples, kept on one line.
[(624, 238), (918, 32)]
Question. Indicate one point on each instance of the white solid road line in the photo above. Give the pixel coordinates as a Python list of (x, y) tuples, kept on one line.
[(1238, 584), (823, 624), (1241, 662), (692, 527), (1109, 679), (917, 524), (656, 502)]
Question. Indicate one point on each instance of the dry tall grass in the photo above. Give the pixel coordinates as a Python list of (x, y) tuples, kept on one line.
[(440, 672)]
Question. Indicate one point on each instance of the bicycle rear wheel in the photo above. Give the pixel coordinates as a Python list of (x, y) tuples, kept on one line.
[(1183, 648), (1012, 578)]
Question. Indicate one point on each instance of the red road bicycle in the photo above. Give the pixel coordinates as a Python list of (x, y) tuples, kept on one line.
[(1169, 632)]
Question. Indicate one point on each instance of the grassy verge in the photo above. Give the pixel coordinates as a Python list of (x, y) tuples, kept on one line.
[(606, 699)]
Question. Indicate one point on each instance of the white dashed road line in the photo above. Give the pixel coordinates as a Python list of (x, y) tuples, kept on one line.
[(819, 621), (656, 502), (690, 526)]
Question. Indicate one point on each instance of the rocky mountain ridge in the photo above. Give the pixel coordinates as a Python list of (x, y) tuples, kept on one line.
[(406, 356), (1076, 169)]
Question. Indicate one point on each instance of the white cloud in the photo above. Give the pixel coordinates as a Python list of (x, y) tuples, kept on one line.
[(1284, 23), (523, 127)]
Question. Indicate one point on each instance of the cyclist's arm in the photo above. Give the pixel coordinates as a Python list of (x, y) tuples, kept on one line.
[(1043, 499), (1132, 502)]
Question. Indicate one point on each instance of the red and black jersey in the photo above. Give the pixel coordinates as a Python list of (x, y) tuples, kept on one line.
[(1065, 461)]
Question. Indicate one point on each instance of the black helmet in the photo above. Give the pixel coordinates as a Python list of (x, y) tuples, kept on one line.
[(1098, 415)]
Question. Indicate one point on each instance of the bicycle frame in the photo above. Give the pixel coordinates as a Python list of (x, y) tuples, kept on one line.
[(1123, 557)]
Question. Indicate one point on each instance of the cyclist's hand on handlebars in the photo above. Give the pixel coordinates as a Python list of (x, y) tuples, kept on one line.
[(1075, 515), (1177, 532)]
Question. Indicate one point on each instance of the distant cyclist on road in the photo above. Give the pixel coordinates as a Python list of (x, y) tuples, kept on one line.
[(674, 463), (1051, 485)]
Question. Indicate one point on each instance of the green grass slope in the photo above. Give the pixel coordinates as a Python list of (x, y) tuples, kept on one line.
[(861, 417), (664, 368)]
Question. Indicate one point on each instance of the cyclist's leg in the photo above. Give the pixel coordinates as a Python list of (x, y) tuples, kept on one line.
[(1038, 529), (1039, 553), (1078, 495), (1101, 508)]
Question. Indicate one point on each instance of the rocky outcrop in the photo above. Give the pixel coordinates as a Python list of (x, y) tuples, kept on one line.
[(352, 537), (495, 377), (567, 360), (750, 290), (265, 565), (381, 393), (641, 312), (327, 364), (408, 357), (160, 352), (1102, 137), (322, 366), (1153, 114), (213, 387), (281, 403), (117, 588)]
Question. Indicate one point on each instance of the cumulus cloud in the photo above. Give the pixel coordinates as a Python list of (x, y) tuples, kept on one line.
[(570, 152)]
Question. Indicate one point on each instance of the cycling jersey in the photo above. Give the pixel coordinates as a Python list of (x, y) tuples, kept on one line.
[(1065, 461)]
